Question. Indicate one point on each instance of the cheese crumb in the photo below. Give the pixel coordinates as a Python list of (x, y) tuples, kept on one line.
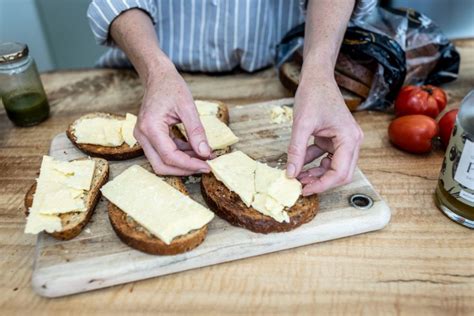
[(281, 114)]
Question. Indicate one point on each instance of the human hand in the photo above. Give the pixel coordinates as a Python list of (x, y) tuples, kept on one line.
[(320, 111), (168, 101)]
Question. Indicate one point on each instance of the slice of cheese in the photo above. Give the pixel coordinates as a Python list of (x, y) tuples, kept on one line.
[(61, 187), (237, 171), (75, 174), (161, 209), (218, 134), (268, 206), (284, 190), (206, 107), (99, 131), (37, 223), (108, 132), (127, 129), (266, 189)]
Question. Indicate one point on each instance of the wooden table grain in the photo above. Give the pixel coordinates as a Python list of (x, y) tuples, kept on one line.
[(421, 263)]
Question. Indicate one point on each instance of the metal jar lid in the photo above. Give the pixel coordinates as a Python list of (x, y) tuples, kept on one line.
[(11, 52)]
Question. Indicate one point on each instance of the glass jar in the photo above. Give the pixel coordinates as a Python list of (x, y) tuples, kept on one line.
[(455, 191), (21, 90)]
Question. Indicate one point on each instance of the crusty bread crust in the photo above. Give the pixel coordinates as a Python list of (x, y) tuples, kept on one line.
[(289, 77), (73, 223), (138, 237), (122, 152), (229, 206)]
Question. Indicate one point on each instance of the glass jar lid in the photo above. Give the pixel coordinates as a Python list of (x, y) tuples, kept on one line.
[(11, 52)]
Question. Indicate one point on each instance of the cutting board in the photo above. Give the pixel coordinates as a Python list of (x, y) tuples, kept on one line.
[(97, 258)]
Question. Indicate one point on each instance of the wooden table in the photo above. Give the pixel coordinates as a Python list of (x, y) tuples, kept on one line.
[(421, 262)]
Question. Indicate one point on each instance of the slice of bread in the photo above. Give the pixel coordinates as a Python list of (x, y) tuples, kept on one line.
[(222, 115), (136, 236), (289, 75), (122, 152), (73, 223), (230, 207)]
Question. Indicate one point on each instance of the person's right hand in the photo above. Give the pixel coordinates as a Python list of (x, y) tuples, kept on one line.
[(168, 101)]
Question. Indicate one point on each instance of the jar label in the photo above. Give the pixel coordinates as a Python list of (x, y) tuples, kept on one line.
[(465, 171), (457, 172)]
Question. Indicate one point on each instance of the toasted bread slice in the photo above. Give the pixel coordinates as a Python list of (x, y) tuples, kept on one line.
[(222, 115), (122, 152), (136, 236), (289, 75), (228, 205), (73, 223)]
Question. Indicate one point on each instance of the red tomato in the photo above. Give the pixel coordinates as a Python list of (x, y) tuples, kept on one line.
[(446, 124), (426, 100), (413, 133)]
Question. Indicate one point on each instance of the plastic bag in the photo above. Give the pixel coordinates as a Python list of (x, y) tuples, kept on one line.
[(406, 46)]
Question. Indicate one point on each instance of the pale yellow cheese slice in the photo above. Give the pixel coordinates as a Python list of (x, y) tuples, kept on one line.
[(108, 132), (218, 134), (266, 189), (206, 107), (237, 171), (127, 129), (61, 187), (161, 209), (284, 190), (99, 131), (36, 223)]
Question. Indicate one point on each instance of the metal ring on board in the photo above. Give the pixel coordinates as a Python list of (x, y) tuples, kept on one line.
[(361, 201)]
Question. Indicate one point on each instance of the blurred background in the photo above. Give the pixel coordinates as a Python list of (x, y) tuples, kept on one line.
[(59, 37)]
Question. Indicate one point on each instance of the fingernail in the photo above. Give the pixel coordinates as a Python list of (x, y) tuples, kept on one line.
[(291, 170), (203, 170), (303, 174), (306, 180), (204, 149)]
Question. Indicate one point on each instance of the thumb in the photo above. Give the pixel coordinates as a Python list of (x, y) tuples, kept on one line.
[(195, 131), (297, 149)]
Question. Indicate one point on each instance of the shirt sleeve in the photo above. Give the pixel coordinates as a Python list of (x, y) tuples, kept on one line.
[(363, 8), (101, 14)]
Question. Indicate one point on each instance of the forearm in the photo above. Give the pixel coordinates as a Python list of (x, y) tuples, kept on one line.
[(134, 33), (326, 23)]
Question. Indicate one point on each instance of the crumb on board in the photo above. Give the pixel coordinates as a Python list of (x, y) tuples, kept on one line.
[(281, 114)]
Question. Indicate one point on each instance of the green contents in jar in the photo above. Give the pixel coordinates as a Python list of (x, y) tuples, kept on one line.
[(27, 108)]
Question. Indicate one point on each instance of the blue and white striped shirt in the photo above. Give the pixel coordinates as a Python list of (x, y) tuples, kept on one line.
[(209, 35)]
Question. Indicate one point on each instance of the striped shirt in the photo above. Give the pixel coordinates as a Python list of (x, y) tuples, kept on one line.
[(209, 35)]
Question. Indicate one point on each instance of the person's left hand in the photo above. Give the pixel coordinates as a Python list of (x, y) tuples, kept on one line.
[(320, 111)]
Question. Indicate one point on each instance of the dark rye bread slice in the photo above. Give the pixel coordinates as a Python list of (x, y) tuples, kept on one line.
[(228, 205), (122, 152), (355, 70), (73, 223), (222, 115), (138, 237), (289, 75)]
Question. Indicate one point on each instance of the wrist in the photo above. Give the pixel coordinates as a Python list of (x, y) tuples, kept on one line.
[(317, 68), (156, 69)]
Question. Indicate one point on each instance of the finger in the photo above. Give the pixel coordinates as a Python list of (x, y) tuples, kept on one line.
[(338, 171), (353, 165), (194, 130), (316, 171), (297, 148), (170, 154), (324, 143), (313, 152), (158, 166), (181, 144)]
